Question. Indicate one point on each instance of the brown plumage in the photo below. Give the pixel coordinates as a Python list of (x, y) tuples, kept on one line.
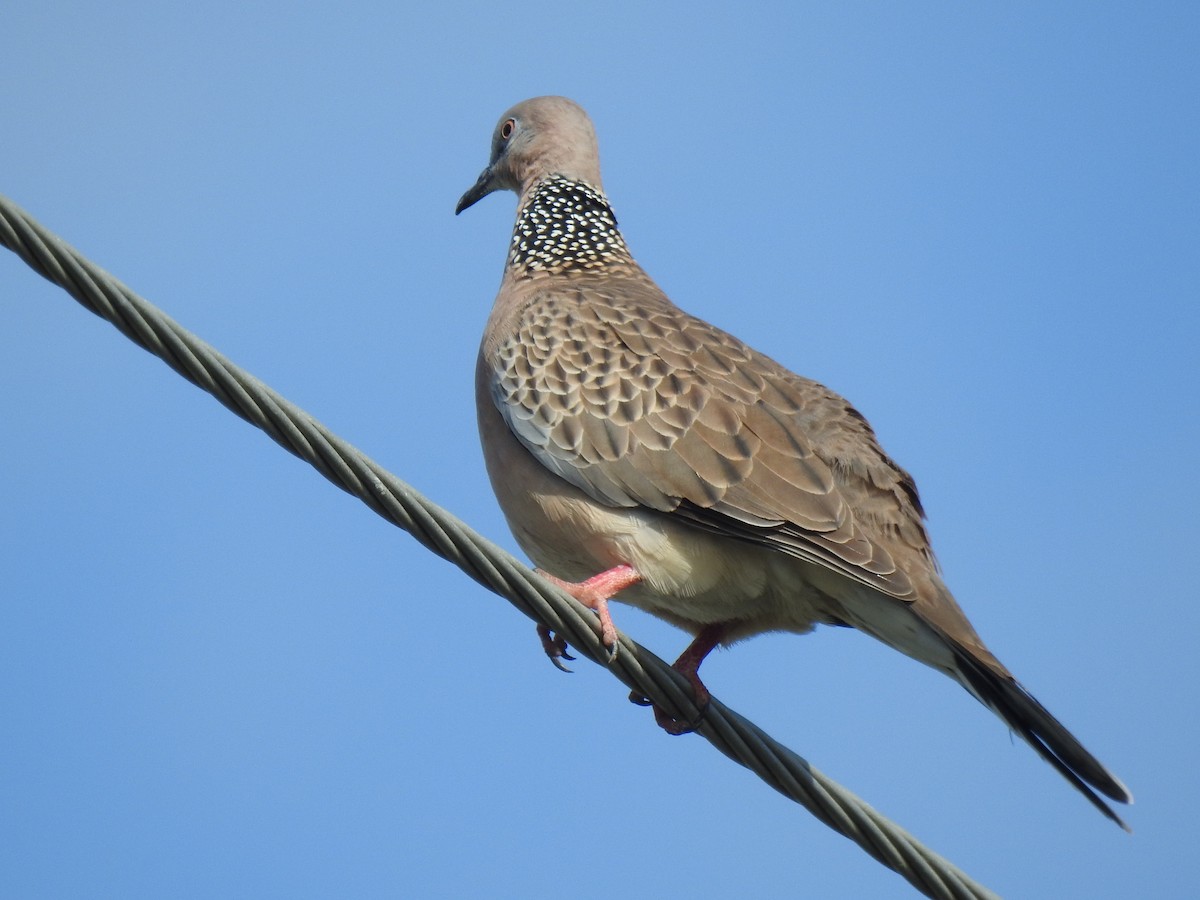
[(711, 486)]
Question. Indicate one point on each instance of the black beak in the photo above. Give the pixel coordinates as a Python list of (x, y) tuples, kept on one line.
[(481, 189)]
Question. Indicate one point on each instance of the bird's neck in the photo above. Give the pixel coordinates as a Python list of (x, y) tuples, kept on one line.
[(565, 224)]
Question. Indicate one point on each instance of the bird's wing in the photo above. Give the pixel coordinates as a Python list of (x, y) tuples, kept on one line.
[(637, 403)]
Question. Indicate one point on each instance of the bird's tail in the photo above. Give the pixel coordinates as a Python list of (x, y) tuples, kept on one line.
[(1049, 737)]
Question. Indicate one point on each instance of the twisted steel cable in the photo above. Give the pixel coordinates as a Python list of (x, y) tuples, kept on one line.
[(448, 537)]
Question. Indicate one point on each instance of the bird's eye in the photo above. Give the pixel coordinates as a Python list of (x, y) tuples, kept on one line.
[(507, 128)]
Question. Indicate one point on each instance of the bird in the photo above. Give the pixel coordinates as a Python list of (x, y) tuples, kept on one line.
[(641, 453)]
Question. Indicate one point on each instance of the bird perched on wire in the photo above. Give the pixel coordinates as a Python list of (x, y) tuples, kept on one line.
[(638, 450)]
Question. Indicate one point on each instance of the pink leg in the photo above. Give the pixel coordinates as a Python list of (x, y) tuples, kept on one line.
[(594, 594)]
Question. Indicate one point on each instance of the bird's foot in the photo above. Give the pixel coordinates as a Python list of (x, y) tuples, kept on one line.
[(594, 594), (688, 665), (667, 722)]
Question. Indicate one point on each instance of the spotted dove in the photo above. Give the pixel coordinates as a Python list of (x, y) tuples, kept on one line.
[(637, 449)]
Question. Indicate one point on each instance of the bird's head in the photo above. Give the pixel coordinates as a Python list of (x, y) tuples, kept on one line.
[(537, 138)]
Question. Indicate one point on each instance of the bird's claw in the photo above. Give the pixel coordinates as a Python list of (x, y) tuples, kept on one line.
[(612, 650), (555, 646)]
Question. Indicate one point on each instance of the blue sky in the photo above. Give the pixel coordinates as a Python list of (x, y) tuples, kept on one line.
[(223, 677)]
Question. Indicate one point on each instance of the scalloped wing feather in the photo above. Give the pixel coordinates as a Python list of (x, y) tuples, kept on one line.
[(638, 403)]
